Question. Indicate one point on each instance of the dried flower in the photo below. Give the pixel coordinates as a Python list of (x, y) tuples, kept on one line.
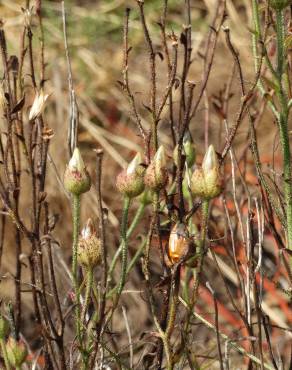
[(27, 15), (178, 245), (76, 177), (207, 181), (4, 327), (89, 246), (156, 175), (38, 105), (16, 352), (130, 181)]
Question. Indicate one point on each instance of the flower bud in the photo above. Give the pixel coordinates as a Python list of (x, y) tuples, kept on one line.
[(88, 252), (198, 186), (130, 181), (38, 105), (279, 4), (207, 181), (76, 177), (4, 327), (16, 352), (188, 150), (178, 245), (156, 175)]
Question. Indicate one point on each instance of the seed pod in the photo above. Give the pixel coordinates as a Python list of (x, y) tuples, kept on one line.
[(4, 327), (188, 150), (156, 175), (207, 181), (178, 245), (76, 177), (198, 186), (88, 252), (16, 352), (130, 181)]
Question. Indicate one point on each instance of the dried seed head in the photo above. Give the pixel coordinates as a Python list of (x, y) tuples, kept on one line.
[(76, 177), (89, 253), (130, 181), (156, 175), (279, 4), (178, 245), (27, 16), (4, 327), (16, 352), (38, 105), (207, 181)]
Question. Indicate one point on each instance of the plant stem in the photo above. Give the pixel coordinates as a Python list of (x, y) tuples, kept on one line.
[(283, 123), (136, 220), (204, 228), (89, 280), (280, 34), (126, 207), (4, 353), (76, 229), (175, 280)]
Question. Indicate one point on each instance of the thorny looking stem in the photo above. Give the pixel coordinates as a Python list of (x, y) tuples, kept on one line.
[(76, 230), (135, 222), (127, 202), (283, 123)]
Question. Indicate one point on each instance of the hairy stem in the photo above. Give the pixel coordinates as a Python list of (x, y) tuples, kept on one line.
[(135, 222), (283, 123), (76, 229), (126, 207)]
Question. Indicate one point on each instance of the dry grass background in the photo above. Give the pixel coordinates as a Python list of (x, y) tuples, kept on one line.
[(95, 44)]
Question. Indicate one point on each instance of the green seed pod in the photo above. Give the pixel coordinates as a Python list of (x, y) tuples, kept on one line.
[(207, 181), (4, 327), (188, 150), (156, 175), (130, 181), (88, 252), (16, 352), (198, 186), (76, 177)]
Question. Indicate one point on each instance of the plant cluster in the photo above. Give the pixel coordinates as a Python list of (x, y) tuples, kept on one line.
[(200, 222)]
